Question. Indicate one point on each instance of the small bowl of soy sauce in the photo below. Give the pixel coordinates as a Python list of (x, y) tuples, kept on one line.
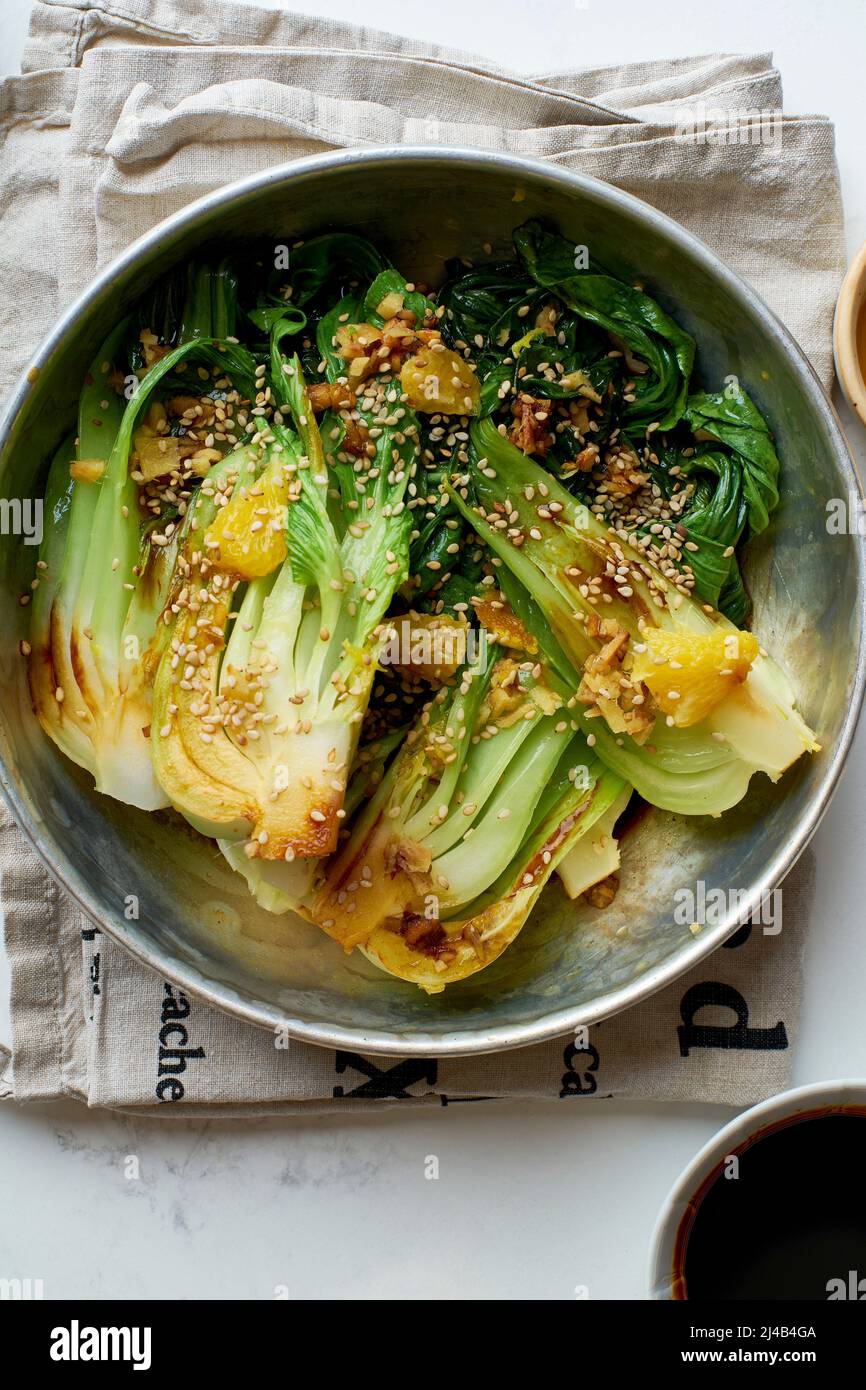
[(773, 1207)]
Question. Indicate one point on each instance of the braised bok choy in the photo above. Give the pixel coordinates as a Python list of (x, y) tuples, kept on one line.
[(399, 594)]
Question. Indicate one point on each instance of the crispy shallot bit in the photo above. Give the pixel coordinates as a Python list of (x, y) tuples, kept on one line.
[(530, 432), (609, 690), (326, 395), (603, 893)]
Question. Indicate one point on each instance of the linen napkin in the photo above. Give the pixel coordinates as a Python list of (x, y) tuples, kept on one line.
[(125, 112)]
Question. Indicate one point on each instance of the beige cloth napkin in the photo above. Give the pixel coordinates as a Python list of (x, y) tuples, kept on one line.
[(125, 112)]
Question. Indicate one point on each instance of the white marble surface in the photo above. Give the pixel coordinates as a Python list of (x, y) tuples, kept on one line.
[(532, 1200)]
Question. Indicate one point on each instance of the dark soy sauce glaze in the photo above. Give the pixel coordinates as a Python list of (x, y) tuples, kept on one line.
[(794, 1219)]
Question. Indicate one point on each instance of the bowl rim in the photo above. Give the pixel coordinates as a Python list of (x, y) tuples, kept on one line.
[(840, 1091), (850, 369), (459, 1041)]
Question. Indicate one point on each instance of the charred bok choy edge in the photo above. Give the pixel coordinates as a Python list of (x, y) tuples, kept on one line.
[(103, 582), (487, 793), (259, 746), (676, 700)]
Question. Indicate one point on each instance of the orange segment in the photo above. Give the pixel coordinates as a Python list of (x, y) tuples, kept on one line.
[(248, 536), (501, 621), (689, 673), (439, 380)]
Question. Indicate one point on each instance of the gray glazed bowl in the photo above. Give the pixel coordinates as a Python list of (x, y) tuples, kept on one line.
[(571, 965)]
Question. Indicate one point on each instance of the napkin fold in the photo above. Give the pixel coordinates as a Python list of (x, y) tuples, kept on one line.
[(124, 113)]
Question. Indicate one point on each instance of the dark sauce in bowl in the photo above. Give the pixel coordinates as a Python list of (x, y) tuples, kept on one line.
[(783, 1216)]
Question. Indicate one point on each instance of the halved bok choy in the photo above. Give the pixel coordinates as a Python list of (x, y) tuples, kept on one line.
[(490, 789), (105, 570), (675, 699), (259, 698)]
